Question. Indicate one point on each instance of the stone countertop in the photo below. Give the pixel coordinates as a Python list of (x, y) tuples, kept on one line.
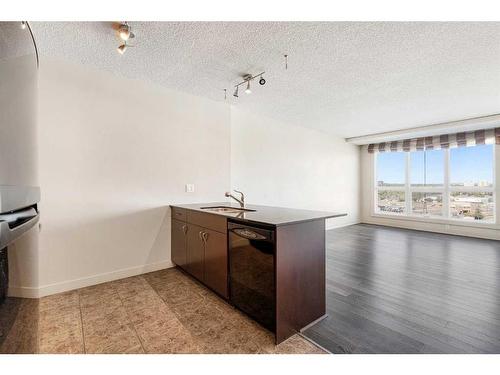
[(276, 216)]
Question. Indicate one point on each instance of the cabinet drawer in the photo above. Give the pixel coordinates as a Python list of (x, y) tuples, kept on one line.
[(178, 213), (210, 221)]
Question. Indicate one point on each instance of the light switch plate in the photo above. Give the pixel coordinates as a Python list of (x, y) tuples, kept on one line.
[(189, 188)]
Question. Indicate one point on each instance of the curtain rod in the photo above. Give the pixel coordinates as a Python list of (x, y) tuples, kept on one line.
[(470, 124)]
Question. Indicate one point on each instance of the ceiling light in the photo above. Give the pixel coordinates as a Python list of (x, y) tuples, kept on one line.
[(248, 91), (23, 25), (124, 32), (121, 50), (246, 81)]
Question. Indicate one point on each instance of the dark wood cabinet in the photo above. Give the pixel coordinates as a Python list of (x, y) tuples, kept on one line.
[(216, 261), (195, 251), (199, 246), (179, 242)]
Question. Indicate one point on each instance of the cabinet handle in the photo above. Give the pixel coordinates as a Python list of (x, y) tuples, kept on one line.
[(200, 235), (185, 228), (205, 236)]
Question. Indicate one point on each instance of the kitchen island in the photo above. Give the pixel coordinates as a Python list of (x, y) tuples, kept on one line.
[(267, 261)]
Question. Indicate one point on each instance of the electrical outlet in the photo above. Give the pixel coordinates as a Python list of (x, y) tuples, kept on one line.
[(189, 188)]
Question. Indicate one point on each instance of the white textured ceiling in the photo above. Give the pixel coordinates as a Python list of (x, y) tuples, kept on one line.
[(348, 79)]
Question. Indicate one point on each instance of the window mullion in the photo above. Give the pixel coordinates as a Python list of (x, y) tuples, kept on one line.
[(375, 186), (446, 193), (407, 185), (496, 167)]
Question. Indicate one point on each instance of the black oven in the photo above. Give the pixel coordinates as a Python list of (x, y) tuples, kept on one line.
[(251, 272)]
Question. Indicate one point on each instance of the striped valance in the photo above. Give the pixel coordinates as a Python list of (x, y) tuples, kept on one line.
[(478, 137)]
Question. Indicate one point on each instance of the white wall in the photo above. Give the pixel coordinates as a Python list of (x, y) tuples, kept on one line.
[(491, 231), (283, 165), (113, 154), (18, 143)]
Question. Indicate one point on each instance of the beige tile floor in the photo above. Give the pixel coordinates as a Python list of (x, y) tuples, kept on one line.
[(159, 312)]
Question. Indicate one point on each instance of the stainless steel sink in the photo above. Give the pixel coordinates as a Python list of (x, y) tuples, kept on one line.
[(227, 210)]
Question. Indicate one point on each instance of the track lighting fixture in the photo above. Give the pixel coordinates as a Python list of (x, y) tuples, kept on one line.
[(125, 34), (248, 77), (246, 81), (248, 91), (23, 25)]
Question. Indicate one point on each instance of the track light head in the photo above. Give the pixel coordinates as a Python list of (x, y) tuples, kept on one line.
[(236, 92), (248, 91), (121, 50), (262, 81), (125, 32)]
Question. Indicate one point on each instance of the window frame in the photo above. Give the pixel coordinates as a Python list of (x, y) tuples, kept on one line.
[(445, 190)]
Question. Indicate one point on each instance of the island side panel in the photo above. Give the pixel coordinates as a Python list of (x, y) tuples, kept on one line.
[(300, 276)]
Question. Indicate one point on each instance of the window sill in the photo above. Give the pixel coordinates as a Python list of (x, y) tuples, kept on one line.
[(436, 220)]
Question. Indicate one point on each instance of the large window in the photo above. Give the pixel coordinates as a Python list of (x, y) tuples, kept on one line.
[(456, 184)]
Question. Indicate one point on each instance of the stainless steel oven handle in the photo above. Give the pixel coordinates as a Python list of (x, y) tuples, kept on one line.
[(7, 235)]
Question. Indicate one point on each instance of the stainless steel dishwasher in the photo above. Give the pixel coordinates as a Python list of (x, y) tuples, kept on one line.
[(251, 272)]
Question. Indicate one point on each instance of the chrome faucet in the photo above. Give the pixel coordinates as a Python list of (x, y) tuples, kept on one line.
[(241, 201)]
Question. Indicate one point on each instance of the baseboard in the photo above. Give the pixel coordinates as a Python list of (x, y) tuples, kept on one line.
[(23, 292), (46, 290), (452, 230)]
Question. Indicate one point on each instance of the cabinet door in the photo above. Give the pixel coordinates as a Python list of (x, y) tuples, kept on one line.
[(216, 261), (179, 242), (195, 251)]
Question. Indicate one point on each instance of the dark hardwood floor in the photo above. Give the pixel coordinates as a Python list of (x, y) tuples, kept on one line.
[(401, 291)]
